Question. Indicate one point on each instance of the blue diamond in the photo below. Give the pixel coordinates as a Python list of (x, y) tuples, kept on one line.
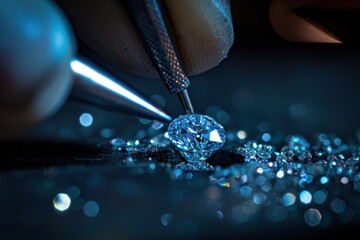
[(196, 137)]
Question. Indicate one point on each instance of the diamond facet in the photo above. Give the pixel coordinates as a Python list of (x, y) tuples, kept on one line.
[(196, 137)]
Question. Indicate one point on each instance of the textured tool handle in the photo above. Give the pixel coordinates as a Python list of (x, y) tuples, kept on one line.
[(149, 21)]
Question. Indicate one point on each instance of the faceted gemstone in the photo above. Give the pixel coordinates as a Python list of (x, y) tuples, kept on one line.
[(196, 137)]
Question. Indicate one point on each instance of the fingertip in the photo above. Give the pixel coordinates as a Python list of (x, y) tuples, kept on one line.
[(204, 31)]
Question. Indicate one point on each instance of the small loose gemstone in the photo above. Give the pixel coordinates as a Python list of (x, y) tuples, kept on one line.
[(263, 154), (241, 150), (298, 144)]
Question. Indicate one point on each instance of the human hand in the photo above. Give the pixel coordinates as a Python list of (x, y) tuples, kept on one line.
[(37, 45)]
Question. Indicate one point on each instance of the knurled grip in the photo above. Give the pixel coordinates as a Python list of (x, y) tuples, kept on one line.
[(149, 21)]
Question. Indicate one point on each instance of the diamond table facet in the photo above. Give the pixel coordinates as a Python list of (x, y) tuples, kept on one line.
[(196, 137)]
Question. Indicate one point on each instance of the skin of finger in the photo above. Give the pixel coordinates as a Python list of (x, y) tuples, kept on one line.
[(204, 31), (35, 50), (205, 36), (293, 27), (105, 27)]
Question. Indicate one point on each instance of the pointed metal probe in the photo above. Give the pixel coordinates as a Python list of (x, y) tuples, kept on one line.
[(149, 21), (92, 85)]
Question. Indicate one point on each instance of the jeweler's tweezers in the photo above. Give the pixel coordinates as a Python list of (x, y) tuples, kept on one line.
[(92, 85), (150, 23)]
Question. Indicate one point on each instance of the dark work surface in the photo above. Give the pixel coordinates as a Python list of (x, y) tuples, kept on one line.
[(131, 203)]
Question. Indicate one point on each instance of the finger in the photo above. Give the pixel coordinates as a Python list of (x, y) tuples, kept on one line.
[(35, 50), (203, 30), (295, 27)]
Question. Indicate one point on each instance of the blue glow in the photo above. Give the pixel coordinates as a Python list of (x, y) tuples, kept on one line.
[(166, 219), (86, 119), (85, 71), (189, 175), (245, 191), (152, 166), (338, 205), (322, 137), (31, 28), (280, 174), (91, 209), (223, 117), (312, 217), (337, 141), (107, 133), (266, 137), (159, 100), (73, 191), (288, 199), (223, 9), (324, 180), (305, 197), (157, 125), (220, 215), (320, 197), (259, 198), (176, 173), (297, 110)]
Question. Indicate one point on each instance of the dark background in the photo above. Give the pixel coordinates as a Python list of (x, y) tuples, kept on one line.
[(266, 83)]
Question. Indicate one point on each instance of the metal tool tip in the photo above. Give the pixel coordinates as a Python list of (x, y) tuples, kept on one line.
[(185, 101)]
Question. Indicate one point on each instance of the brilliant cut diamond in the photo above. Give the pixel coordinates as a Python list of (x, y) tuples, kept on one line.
[(196, 137)]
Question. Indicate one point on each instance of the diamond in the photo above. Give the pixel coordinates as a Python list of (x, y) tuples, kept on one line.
[(196, 137)]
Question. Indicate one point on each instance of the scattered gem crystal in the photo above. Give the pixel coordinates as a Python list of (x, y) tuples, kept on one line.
[(281, 178)]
